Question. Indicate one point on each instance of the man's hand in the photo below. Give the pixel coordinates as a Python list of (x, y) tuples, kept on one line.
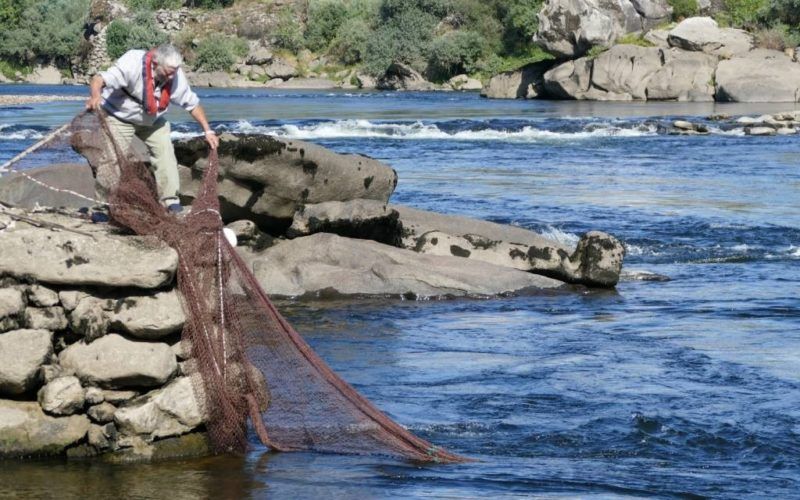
[(212, 139), (93, 103)]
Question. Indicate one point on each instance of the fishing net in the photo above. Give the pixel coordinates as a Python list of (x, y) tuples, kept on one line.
[(246, 361)]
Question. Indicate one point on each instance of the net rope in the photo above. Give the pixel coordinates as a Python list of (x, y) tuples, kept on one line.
[(246, 361)]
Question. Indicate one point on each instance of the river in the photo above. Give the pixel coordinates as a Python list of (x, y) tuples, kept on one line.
[(681, 388)]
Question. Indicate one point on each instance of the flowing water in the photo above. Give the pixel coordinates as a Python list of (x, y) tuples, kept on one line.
[(681, 388)]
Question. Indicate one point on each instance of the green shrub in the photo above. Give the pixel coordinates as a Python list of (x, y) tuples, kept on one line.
[(745, 13), (141, 33), (208, 4), (635, 39), (324, 19), (404, 38), (148, 5), (455, 53), (288, 34), (351, 41), (219, 52), (785, 12), (39, 29), (777, 37), (684, 8), (521, 23)]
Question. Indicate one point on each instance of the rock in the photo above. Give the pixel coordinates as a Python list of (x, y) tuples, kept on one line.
[(45, 318), (98, 438), (245, 230), (149, 317), (363, 219), (265, 179), (684, 125), (702, 34), (26, 431), (366, 81), (630, 72), (762, 131), (684, 76), (18, 191), (569, 28), (759, 76), (787, 131), (182, 349), (90, 318), (464, 82), (51, 372), (94, 396), (598, 259), (211, 79), (44, 75), (259, 55), (102, 413), (62, 396), (115, 362), (191, 445), (658, 38), (70, 298), (12, 305), (42, 296), (118, 397), (166, 412), (328, 264), (22, 354), (400, 76), (524, 83), (67, 258), (280, 68)]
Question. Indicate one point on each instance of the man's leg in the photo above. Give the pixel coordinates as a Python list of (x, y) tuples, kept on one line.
[(162, 160), (106, 170)]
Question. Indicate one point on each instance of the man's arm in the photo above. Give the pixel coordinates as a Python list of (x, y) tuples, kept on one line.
[(96, 87), (200, 115)]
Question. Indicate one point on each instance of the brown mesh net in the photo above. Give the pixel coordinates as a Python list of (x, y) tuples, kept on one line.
[(247, 361)]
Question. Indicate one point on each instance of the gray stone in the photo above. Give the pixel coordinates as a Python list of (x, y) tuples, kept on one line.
[(759, 76), (16, 190), (94, 395), (598, 258), (760, 131), (166, 412), (195, 444), (366, 81), (45, 318), (70, 298), (51, 372), (91, 318), (244, 230), (26, 431), (569, 28), (702, 34), (787, 131), (684, 76), (102, 413), (328, 264), (363, 219), (524, 83), (266, 179), (42, 296), (464, 82), (22, 354), (570, 80), (62, 396), (44, 75), (182, 349), (211, 79), (12, 306), (658, 38), (68, 258), (97, 437), (149, 317), (118, 397), (115, 362), (399, 76), (259, 55), (280, 68), (624, 70)]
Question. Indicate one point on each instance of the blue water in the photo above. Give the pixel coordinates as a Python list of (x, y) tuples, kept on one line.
[(680, 388)]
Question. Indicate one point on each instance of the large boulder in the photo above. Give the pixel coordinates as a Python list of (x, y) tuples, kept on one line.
[(280, 68), (170, 411), (26, 431), (22, 354), (399, 76), (597, 260), (17, 190), (266, 180), (703, 34), (759, 76), (629, 72), (569, 28), (116, 362), (363, 219), (85, 255), (524, 83), (44, 75), (328, 264)]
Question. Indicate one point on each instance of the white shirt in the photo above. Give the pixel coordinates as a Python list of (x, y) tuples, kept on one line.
[(126, 76)]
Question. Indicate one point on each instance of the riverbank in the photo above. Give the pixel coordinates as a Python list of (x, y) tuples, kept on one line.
[(16, 100)]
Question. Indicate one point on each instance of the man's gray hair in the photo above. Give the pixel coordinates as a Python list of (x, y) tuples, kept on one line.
[(167, 55)]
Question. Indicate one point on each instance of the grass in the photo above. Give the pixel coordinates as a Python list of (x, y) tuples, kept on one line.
[(9, 69)]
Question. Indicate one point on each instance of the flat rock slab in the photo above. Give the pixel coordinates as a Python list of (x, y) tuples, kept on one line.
[(94, 258), (703, 34), (18, 191), (115, 362), (25, 430), (328, 264)]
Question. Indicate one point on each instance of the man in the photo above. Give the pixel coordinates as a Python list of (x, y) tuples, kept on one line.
[(135, 93)]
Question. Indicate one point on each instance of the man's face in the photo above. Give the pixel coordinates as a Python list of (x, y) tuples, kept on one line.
[(164, 73)]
